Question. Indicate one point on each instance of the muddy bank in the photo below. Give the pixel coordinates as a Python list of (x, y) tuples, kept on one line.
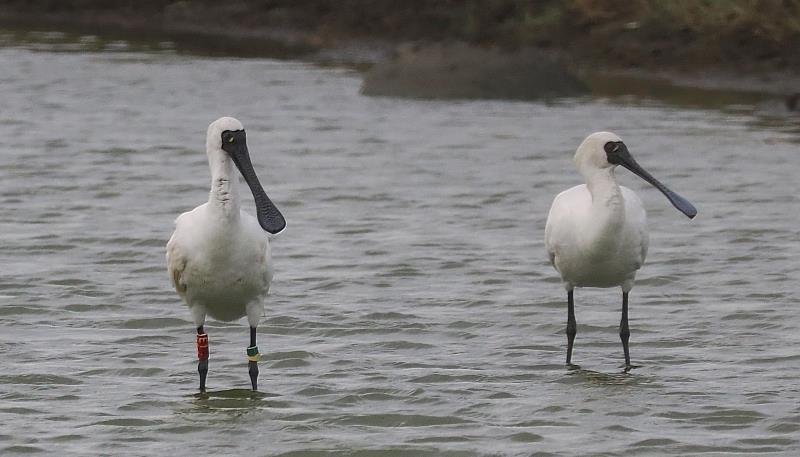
[(495, 48), (190, 27), (458, 70), (746, 35)]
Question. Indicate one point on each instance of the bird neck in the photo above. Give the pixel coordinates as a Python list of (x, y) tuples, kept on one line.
[(224, 194), (608, 205)]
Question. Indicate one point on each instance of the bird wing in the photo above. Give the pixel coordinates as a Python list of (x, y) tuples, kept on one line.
[(176, 259), (548, 243), (558, 220)]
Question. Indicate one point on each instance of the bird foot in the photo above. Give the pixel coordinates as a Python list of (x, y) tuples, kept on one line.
[(628, 367)]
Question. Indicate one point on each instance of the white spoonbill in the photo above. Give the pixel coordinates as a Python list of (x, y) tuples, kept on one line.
[(219, 256), (596, 233)]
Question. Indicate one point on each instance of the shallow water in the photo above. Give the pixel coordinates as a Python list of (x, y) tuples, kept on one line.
[(413, 311)]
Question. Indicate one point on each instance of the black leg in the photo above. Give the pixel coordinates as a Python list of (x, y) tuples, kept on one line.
[(624, 331), (253, 356), (572, 326), (202, 356)]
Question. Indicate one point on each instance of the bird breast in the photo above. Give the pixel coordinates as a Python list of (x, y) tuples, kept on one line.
[(595, 242), (226, 264)]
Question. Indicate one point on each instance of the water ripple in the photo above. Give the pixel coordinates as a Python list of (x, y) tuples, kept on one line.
[(413, 311)]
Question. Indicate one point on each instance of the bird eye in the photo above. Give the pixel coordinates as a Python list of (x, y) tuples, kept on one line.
[(611, 147), (227, 137)]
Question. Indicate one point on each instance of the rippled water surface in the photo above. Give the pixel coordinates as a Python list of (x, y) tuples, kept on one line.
[(413, 310)]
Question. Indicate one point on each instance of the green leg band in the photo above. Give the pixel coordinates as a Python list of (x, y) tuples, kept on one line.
[(252, 354)]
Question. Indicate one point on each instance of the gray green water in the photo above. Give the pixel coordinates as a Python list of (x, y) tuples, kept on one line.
[(413, 311)]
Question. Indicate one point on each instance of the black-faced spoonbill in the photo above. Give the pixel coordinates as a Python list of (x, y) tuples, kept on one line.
[(596, 233), (219, 256)]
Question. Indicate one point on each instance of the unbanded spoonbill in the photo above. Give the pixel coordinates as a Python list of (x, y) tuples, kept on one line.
[(596, 233), (219, 257)]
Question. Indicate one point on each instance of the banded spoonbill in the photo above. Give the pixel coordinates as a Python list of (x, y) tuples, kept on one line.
[(219, 256), (596, 233)]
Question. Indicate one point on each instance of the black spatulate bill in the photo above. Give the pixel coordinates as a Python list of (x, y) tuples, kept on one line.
[(617, 153), (235, 144)]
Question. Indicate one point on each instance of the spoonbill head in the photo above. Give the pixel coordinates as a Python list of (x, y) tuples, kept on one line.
[(596, 233), (226, 142), (218, 258)]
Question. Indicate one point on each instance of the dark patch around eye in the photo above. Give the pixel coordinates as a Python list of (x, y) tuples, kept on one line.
[(612, 147)]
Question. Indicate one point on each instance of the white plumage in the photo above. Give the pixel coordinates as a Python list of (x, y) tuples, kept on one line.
[(218, 258), (220, 265), (614, 246), (596, 233)]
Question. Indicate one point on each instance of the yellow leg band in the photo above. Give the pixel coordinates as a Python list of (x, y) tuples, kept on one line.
[(252, 354)]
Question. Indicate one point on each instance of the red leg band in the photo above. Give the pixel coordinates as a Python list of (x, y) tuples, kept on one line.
[(202, 346)]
